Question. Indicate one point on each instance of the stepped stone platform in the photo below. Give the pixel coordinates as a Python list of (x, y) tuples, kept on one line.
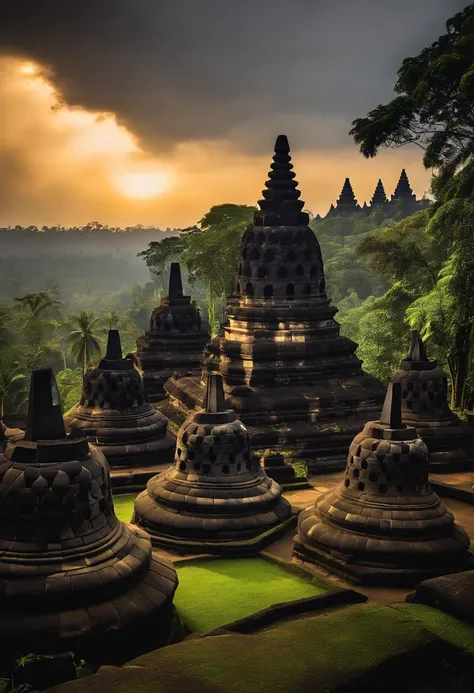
[(174, 340), (115, 414), (425, 407), (289, 375), (383, 524), (72, 576), (216, 498)]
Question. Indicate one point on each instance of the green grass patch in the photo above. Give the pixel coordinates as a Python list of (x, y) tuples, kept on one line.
[(212, 593), (123, 504), (444, 626), (315, 654)]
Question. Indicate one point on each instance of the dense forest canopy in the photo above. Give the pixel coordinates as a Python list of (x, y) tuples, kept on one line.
[(62, 289)]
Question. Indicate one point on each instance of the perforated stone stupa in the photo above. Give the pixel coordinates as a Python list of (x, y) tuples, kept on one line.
[(216, 498), (288, 373), (72, 576), (383, 524), (425, 406), (116, 415), (174, 341)]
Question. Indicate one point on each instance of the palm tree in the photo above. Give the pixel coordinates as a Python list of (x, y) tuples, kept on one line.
[(83, 340), (42, 305), (111, 318)]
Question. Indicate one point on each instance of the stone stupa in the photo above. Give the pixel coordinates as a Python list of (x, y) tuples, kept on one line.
[(174, 340), (216, 498), (425, 407), (288, 373), (72, 576), (116, 415), (383, 524)]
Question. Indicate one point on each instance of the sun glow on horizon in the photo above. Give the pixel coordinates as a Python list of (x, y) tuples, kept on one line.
[(28, 69), (142, 185)]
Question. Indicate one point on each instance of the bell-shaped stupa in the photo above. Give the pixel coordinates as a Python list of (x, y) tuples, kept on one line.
[(72, 576), (288, 373), (425, 407), (383, 524), (174, 340), (115, 414), (216, 498)]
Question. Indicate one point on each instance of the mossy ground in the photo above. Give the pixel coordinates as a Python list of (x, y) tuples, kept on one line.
[(212, 593), (318, 653), (123, 504), (444, 626)]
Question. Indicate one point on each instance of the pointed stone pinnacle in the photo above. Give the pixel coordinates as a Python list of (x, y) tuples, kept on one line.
[(45, 419), (175, 289), (114, 346), (392, 408), (214, 401), (417, 348), (282, 145)]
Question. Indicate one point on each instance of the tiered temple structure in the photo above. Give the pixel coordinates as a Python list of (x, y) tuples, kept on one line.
[(347, 203), (379, 197), (383, 524), (425, 407), (115, 414), (403, 201), (72, 576), (216, 498), (288, 373), (174, 341)]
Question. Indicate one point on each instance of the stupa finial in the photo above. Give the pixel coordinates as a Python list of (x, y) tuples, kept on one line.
[(114, 346), (175, 289), (392, 408), (44, 419), (417, 350), (281, 205), (214, 400)]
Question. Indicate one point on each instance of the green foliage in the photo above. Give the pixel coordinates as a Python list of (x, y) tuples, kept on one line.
[(433, 108), (209, 253), (83, 339), (378, 326), (70, 387)]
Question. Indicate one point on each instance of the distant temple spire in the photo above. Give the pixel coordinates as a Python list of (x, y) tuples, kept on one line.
[(403, 190), (379, 197), (281, 204), (347, 198), (175, 289)]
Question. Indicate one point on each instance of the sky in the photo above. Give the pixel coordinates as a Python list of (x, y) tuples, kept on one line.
[(152, 111)]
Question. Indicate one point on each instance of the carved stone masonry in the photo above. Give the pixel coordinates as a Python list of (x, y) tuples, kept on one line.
[(72, 576), (216, 498), (383, 524), (115, 414)]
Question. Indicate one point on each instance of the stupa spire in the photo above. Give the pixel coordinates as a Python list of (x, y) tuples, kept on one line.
[(114, 346), (347, 198), (417, 351), (44, 419), (175, 289), (392, 408), (379, 197), (214, 401), (281, 204), (403, 189)]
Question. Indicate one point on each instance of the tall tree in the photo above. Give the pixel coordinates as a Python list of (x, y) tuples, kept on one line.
[(434, 108), (83, 340)]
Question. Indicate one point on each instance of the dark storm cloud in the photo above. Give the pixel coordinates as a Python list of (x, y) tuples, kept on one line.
[(175, 70)]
